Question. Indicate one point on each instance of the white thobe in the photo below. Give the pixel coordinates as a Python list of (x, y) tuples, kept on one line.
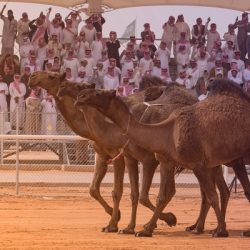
[(21, 104), (126, 64), (22, 27), (69, 36), (168, 35), (238, 79), (163, 56), (240, 65), (212, 37), (73, 65), (90, 34), (3, 102), (181, 27), (9, 33), (194, 73), (182, 60), (145, 65), (156, 71), (49, 117), (24, 52), (89, 66), (110, 82), (97, 48)]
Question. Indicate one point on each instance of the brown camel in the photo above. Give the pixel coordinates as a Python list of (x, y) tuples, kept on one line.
[(132, 153), (197, 137), (106, 147), (238, 165), (155, 114), (176, 97)]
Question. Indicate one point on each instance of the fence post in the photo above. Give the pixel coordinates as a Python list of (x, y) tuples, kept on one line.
[(17, 149)]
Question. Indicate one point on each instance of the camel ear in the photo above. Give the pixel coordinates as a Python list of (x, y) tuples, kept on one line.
[(62, 76)]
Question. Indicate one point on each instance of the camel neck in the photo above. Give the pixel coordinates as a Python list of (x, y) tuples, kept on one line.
[(145, 135), (74, 117)]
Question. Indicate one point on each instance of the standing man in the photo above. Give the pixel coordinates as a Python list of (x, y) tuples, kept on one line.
[(243, 27), (168, 32), (9, 32), (17, 92)]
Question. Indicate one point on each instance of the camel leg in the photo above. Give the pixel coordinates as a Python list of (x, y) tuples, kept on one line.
[(198, 227), (224, 192), (149, 168), (119, 167), (94, 189), (241, 173), (207, 184), (166, 192), (217, 177), (132, 166)]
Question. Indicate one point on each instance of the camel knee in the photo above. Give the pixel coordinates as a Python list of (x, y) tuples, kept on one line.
[(134, 198), (94, 192), (162, 199), (116, 196), (144, 200)]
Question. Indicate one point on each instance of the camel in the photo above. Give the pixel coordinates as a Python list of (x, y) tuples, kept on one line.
[(175, 97), (106, 147), (238, 165), (185, 139)]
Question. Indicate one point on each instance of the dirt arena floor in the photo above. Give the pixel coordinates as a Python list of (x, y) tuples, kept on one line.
[(62, 218)]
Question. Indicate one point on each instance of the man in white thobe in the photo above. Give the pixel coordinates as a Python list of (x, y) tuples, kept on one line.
[(9, 32), (17, 92)]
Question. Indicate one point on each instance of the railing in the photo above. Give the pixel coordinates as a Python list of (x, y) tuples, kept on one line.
[(56, 160)]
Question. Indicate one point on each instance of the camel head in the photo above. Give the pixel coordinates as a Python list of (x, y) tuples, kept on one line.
[(49, 81), (72, 89), (97, 98), (153, 93), (150, 81)]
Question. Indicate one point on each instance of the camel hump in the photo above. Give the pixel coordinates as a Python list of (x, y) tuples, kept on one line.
[(227, 87)]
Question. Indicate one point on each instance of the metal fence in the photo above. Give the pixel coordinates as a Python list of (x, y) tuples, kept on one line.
[(36, 158)]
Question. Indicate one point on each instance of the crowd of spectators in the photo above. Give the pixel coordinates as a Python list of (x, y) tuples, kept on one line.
[(57, 45)]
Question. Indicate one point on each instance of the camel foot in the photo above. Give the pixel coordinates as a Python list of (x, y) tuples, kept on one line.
[(191, 228), (220, 233), (197, 231), (127, 230), (213, 231), (170, 219), (144, 233), (246, 233), (110, 229)]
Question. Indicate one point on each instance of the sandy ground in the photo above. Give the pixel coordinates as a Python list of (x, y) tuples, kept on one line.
[(64, 221)]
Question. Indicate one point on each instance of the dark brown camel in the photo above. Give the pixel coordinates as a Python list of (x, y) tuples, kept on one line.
[(106, 147), (186, 139), (238, 166)]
